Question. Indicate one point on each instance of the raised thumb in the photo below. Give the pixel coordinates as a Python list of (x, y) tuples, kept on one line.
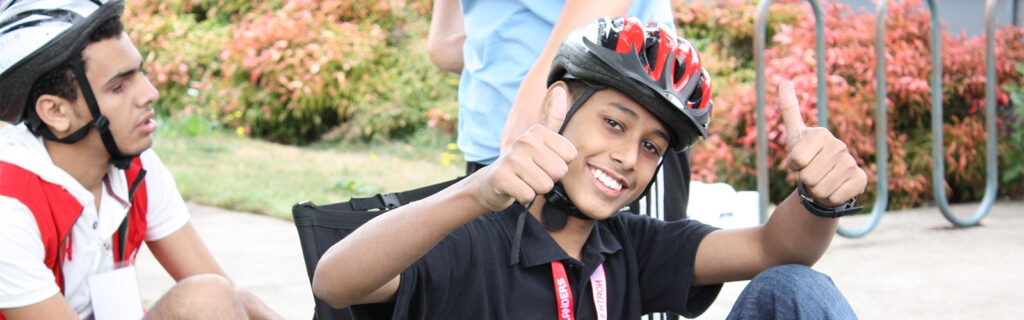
[(557, 105), (790, 110)]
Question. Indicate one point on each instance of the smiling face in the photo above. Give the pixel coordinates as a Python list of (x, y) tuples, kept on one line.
[(123, 93), (619, 145)]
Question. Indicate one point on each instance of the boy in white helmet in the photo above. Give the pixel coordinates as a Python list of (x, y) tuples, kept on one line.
[(80, 190)]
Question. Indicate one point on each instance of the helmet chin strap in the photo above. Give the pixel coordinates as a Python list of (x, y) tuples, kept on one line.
[(100, 122), (557, 205)]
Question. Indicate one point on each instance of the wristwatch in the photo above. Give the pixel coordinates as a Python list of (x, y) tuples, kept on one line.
[(850, 207)]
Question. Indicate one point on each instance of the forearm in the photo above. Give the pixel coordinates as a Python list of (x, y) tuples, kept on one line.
[(447, 35), (794, 235), (526, 108), (379, 250)]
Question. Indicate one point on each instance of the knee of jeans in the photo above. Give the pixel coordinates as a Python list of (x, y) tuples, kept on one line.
[(791, 279)]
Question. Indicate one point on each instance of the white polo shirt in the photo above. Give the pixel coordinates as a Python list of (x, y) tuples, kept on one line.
[(24, 277)]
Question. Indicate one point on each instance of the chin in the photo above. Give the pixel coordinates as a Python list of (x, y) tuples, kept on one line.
[(137, 148), (596, 208)]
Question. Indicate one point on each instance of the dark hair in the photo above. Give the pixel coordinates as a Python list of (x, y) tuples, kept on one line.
[(60, 81), (577, 87)]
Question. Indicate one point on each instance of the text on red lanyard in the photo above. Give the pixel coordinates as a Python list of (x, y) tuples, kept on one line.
[(563, 294)]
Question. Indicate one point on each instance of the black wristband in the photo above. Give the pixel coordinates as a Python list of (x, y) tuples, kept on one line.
[(849, 207)]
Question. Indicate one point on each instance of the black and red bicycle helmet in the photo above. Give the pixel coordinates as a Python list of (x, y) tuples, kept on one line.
[(649, 63)]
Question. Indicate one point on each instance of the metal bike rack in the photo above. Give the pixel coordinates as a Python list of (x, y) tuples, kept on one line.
[(881, 122), (762, 133), (991, 166), (881, 129), (1015, 20)]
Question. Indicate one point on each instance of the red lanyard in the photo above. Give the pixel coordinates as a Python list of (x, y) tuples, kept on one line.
[(563, 294)]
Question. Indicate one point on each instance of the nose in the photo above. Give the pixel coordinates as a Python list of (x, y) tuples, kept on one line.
[(625, 153), (149, 93)]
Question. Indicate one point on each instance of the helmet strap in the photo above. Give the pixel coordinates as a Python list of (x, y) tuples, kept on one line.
[(655, 177), (100, 122), (557, 207), (576, 106)]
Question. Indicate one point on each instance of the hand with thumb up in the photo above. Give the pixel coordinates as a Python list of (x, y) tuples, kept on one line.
[(532, 164), (829, 173)]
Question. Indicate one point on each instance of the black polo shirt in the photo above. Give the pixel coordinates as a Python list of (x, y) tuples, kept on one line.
[(648, 265)]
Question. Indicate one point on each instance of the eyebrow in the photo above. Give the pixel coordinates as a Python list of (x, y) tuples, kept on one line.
[(123, 74), (629, 112)]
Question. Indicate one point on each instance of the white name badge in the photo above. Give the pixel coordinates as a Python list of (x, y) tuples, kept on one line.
[(116, 296)]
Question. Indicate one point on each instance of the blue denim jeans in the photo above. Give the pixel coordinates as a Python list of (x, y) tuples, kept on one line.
[(791, 292)]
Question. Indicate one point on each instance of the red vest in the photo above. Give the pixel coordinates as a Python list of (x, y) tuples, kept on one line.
[(56, 211)]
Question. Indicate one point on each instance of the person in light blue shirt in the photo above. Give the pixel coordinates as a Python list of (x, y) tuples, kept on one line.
[(510, 42)]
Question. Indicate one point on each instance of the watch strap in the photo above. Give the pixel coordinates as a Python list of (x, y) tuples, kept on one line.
[(850, 207)]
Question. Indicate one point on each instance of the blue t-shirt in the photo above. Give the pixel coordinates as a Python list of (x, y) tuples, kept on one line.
[(503, 40)]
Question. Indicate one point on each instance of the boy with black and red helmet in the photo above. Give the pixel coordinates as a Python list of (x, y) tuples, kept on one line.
[(620, 94)]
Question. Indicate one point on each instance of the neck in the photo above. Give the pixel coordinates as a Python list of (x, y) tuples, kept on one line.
[(82, 160), (572, 237)]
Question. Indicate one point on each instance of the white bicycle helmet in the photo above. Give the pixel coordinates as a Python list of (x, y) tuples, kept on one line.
[(37, 36)]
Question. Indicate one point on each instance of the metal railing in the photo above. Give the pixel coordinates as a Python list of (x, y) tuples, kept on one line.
[(881, 113), (939, 165)]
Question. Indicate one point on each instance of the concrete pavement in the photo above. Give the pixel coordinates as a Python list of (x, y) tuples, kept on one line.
[(914, 265)]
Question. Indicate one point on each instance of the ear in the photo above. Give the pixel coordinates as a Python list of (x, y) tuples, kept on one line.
[(56, 113)]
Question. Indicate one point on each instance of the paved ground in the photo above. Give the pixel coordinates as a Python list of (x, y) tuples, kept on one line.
[(913, 266)]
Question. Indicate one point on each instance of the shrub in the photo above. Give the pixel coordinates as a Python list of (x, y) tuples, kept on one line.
[(180, 54), (730, 24), (291, 66), (851, 93), (1011, 153), (293, 70)]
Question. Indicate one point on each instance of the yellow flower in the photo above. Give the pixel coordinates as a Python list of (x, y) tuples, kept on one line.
[(452, 146), (240, 131), (238, 114), (447, 158), (373, 158)]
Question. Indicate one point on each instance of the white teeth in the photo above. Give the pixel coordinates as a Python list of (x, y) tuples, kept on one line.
[(605, 179)]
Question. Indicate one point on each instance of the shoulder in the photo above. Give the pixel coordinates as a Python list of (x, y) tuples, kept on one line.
[(151, 161), (643, 229), (159, 181), (16, 218), (24, 278), (480, 241), (166, 209)]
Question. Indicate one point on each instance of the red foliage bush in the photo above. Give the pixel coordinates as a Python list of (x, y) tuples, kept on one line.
[(850, 65)]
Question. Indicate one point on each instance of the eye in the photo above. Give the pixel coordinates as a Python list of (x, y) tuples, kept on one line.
[(651, 147), (118, 88), (613, 124)]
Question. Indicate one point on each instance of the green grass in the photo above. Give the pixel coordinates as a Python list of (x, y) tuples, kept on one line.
[(219, 168)]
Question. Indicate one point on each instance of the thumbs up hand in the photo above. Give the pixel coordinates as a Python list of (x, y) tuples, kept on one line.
[(824, 164), (533, 162)]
